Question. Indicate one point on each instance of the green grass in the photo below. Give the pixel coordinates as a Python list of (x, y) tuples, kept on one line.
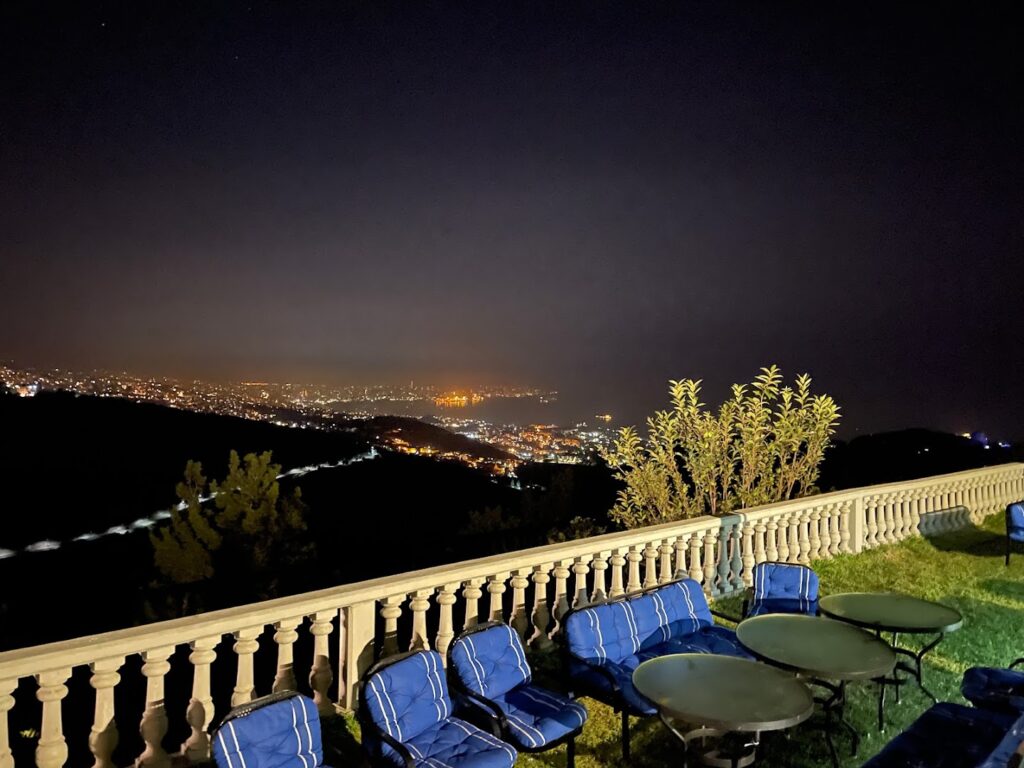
[(962, 569)]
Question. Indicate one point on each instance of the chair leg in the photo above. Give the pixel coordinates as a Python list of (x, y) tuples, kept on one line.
[(1007, 551), (625, 735), (570, 753)]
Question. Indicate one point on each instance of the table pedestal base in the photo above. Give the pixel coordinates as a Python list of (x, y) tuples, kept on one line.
[(912, 668), (833, 707), (714, 748)]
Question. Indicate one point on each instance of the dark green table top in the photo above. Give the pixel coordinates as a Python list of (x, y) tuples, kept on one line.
[(724, 692), (891, 612), (816, 646)]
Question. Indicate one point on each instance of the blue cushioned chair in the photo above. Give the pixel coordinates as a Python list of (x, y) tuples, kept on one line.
[(955, 736), (281, 730), (1001, 690), (607, 641), (406, 718), (1014, 525), (491, 673), (782, 588)]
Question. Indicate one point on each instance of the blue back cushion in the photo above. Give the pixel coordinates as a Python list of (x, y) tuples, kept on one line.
[(774, 581), (408, 697), (285, 734), (491, 662), (1015, 515), (621, 628)]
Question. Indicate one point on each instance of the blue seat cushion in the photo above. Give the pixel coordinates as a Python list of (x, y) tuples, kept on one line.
[(991, 688), (454, 743), (491, 662), (713, 639), (408, 696), (285, 734), (1015, 521), (946, 736), (782, 605), (537, 716), (593, 680)]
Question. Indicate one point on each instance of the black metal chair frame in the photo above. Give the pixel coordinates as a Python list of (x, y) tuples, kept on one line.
[(496, 719), (366, 722), (1009, 541), (615, 700)]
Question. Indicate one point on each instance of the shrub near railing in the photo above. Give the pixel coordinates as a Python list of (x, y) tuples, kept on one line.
[(531, 589)]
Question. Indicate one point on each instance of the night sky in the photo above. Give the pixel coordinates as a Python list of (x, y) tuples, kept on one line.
[(594, 198)]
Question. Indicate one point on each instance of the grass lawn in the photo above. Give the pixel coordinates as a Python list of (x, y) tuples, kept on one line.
[(962, 569)]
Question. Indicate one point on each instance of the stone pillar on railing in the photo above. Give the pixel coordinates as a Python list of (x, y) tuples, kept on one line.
[(7, 688), (390, 611), (796, 548), (541, 616), (580, 569), (600, 566), (665, 572), (905, 502), (760, 542), (285, 635), (782, 534), (519, 621), (803, 528), (771, 544), (320, 673), (561, 573), (720, 583), (103, 736), (834, 524), (680, 544), (618, 563), (419, 603), (633, 558), (650, 565), (710, 559), (471, 594), (814, 532), (696, 544), (891, 519), (52, 749), (748, 554), (496, 589), (356, 638), (914, 506), (736, 556), (852, 525), (199, 712), (446, 597), (246, 645), (870, 522), (154, 719)]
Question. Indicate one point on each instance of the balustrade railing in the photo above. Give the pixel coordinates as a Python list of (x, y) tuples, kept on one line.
[(351, 625)]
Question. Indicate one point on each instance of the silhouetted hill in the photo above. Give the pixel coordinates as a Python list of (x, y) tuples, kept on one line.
[(420, 433)]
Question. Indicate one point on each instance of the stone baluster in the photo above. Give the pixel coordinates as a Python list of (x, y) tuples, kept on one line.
[(519, 621), (600, 565), (680, 547), (798, 545), (760, 541), (246, 645), (471, 594), (633, 558), (419, 604), (580, 570), (665, 573), (696, 544), (835, 540), (154, 719), (199, 712), (749, 551), (891, 532), (496, 588), (446, 597), (720, 584), (7, 688), (870, 510), (803, 539), (771, 547), (907, 502), (814, 533), (901, 518), (710, 561), (52, 749), (285, 637), (739, 537), (783, 531), (321, 674), (618, 562), (650, 566), (390, 611), (915, 513), (561, 600), (541, 617), (846, 512), (103, 736)]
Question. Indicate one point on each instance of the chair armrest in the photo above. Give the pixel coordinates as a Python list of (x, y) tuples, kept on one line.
[(726, 616), (491, 709), (600, 667), (392, 742), (1016, 663)]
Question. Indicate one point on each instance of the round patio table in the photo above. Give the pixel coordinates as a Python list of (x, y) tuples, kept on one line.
[(896, 613), (722, 694), (830, 653)]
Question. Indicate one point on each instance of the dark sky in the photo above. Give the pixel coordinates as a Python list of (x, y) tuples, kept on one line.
[(594, 198)]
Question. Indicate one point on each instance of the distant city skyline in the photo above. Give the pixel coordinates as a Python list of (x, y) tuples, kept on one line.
[(593, 199)]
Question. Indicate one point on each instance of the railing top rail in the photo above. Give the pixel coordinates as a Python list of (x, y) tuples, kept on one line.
[(124, 642)]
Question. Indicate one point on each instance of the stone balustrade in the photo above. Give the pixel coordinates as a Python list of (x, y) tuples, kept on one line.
[(531, 589)]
